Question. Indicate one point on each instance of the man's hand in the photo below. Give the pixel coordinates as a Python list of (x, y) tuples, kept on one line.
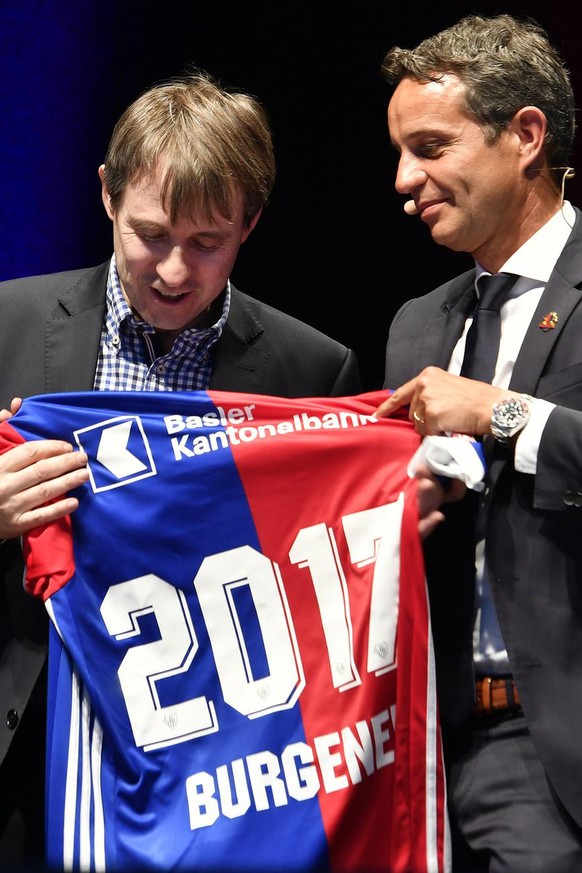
[(442, 403), (5, 414), (34, 480), (431, 495)]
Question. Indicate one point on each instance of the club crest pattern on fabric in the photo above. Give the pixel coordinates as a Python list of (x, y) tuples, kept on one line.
[(241, 668)]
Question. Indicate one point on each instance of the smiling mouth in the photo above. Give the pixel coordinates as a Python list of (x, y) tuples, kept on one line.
[(169, 297), (428, 204)]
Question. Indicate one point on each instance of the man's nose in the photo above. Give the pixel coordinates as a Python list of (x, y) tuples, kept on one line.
[(409, 175), (174, 269)]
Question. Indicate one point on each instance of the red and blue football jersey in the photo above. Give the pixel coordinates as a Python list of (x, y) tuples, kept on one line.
[(241, 670)]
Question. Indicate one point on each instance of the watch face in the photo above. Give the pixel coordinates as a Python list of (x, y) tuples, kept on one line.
[(508, 417), (510, 413)]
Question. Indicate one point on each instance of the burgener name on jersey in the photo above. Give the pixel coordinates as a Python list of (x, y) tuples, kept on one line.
[(264, 779)]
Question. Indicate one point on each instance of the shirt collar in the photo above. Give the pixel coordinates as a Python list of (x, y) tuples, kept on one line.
[(119, 310), (537, 257)]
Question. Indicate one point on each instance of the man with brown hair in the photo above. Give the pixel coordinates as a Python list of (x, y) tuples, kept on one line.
[(188, 170)]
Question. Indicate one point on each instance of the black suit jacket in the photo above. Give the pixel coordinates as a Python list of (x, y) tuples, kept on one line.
[(534, 523), (50, 330)]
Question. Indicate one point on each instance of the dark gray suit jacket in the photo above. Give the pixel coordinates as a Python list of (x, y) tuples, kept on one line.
[(50, 329), (534, 523)]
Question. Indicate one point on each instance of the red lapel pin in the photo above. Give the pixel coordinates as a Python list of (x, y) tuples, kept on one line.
[(549, 321)]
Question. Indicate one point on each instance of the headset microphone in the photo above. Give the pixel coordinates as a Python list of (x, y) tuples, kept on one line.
[(410, 207)]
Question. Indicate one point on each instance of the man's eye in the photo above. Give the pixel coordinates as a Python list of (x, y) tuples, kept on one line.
[(431, 150), (205, 248), (150, 237)]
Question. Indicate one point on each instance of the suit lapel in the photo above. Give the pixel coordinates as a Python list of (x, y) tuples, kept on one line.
[(556, 305), (442, 332), (238, 365), (73, 338), (561, 296)]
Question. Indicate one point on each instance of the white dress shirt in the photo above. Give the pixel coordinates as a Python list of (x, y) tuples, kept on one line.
[(533, 262)]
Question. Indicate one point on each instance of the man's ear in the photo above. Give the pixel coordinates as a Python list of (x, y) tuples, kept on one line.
[(247, 230), (530, 124), (104, 193)]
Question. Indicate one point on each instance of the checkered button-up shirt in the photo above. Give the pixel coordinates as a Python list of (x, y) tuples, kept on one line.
[(127, 358)]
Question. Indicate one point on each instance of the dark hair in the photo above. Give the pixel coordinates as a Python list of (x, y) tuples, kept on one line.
[(505, 64)]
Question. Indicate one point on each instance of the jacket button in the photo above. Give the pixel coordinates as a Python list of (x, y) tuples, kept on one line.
[(569, 497), (11, 719)]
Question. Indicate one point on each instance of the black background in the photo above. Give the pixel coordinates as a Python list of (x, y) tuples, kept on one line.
[(334, 246)]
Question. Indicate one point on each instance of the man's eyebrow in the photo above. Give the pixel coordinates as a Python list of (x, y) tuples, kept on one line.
[(424, 132), (208, 234), (135, 221), (147, 224)]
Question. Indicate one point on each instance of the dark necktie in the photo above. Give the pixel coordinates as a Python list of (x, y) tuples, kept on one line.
[(482, 345)]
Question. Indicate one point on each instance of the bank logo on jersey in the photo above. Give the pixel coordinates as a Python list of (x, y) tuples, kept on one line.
[(118, 452)]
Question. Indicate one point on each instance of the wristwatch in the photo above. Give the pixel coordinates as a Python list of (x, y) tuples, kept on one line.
[(510, 416)]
